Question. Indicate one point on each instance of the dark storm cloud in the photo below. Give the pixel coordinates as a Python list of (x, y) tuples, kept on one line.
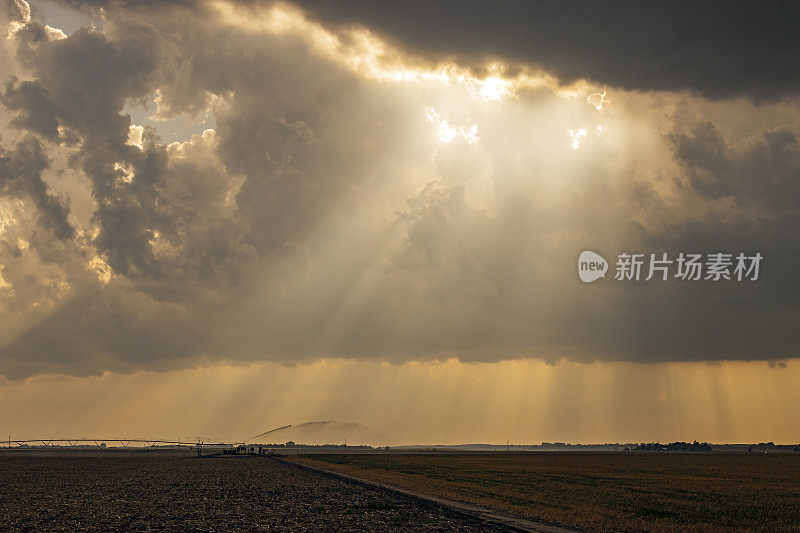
[(762, 179), (85, 81), (21, 175), (756, 186), (322, 217), (718, 49), (90, 77), (37, 111), (82, 83), (169, 222), (766, 173), (104, 329)]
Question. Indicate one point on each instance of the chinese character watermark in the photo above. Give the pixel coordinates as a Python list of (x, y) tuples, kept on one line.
[(716, 266)]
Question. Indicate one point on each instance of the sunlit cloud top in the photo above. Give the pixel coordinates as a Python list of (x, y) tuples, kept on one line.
[(367, 55)]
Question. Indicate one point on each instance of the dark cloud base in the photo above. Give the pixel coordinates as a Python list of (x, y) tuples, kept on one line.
[(716, 49)]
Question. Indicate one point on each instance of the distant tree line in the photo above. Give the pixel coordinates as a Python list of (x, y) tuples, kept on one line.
[(675, 447)]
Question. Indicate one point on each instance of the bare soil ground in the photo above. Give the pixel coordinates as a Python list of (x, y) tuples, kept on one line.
[(158, 493), (601, 491)]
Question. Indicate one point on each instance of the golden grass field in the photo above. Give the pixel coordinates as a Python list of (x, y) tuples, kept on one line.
[(601, 491)]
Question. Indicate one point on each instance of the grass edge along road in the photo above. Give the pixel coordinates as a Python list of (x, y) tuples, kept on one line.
[(600, 491)]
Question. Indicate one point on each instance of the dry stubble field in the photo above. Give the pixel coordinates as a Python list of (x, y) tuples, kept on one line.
[(602, 491), (151, 493)]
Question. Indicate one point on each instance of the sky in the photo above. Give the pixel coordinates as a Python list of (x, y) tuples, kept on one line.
[(224, 216)]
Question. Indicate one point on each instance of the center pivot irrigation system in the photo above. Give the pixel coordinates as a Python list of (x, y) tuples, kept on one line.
[(75, 442)]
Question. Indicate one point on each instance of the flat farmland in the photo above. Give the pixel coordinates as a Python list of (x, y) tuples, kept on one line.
[(601, 491), (147, 493)]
